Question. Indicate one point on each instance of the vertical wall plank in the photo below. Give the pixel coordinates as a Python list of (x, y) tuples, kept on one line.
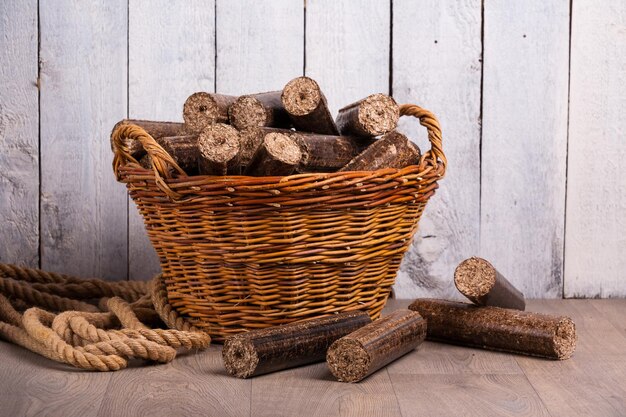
[(437, 65), (260, 45), (19, 130), (347, 48), (525, 93), (596, 183), (83, 93), (171, 55)]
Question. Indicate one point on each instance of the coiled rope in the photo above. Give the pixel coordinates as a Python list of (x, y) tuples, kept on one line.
[(90, 323)]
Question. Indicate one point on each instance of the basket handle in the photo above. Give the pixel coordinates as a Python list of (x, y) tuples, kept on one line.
[(162, 163), (430, 122)]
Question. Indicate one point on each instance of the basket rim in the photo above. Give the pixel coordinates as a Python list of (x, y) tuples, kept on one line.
[(168, 175), (411, 179)]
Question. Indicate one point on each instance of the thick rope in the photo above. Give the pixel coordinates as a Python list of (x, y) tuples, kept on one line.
[(72, 287), (25, 292), (91, 324)]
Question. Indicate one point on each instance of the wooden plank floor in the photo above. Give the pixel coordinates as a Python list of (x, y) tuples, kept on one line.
[(436, 380)]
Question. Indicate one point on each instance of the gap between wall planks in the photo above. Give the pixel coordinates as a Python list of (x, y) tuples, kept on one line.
[(260, 45), (179, 62), (19, 133), (437, 65), (350, 60), (524, 141), (84, 91), (596, 180)]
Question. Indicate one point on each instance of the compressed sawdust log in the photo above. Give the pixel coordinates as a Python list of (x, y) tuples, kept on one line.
[(155, 129), (183, 149), (363, 352), (203, 109), (394, 150), (321, 153), (218, 146), (259, 110), (277, 155), (496, 328), (479, 281), (281, 347), (307, 107), (326, 153), (373, 116), (250, 140)]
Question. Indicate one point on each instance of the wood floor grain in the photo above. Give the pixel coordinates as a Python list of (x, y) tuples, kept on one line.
[(441, 359), (614, 310), (581, 388), (191, 385), (593, 382), (435, 380), (467, 395), (313, 388), (31, 385)]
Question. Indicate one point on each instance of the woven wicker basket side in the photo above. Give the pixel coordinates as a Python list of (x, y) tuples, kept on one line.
[(247, 252)]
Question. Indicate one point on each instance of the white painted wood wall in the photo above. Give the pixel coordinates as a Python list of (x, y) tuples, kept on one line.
[(531, 96)]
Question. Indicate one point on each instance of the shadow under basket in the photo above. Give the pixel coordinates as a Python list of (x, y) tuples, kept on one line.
[(239, 252)]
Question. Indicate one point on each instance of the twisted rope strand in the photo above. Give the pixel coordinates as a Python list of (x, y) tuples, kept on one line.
[(25, 292), (94, 289), (124, 313)]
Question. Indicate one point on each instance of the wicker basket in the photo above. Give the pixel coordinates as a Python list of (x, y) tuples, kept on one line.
[(243, 252)]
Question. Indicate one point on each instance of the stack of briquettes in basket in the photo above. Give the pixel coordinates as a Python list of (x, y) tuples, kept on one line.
[(280, 133)]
